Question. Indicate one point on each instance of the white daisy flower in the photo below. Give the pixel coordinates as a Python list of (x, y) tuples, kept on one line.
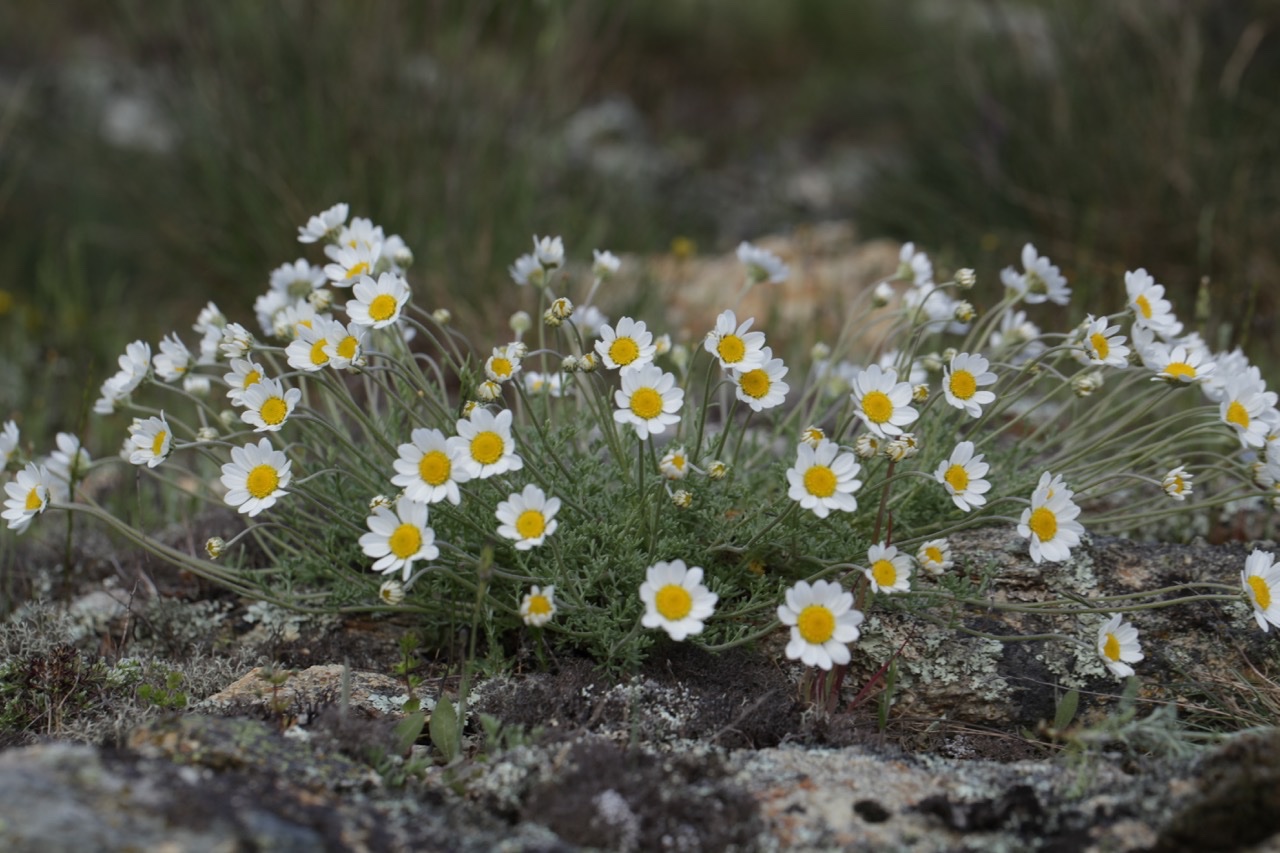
[(867, 446), (549, 251), (267, 405), (1017, 339), (604, 264), (323, 226), (762, 387), (297, 280), (1249, 409), (675, 599), (69, 462), (429, 468), (528, 517), (243, 376), (151, 441), (1229, 366), (29, 493), (551, 384), (267, 307), (111, 394), (361, 232), (351, 263), (1260, 579), (210, 345), (397, 539), (485, 445), (629, 347), (526, 270), (961, 382), (173, 360), (674, 464), (503, 364), (589, 322), (914, 266), (210, 317), (813, 435), (378, 304), (1041, 281), (237, 341), (1180, 364), (538, 605), (345, 346), (934, 556), (648, 400), (1118, 645), (290, 321), (391, 592), (881, 401), (887, 570), (1177, 483), (1099, 344), (309, 351), (823, 623), (397, 252), (1053, 485), (933, 309), (733, 344), (255, 477), (762, 265), (1050, 525), (824, 479), (1150, 309), (134, 365), (9, 438)]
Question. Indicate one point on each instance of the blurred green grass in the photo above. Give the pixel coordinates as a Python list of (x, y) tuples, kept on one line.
[(1111, 135)]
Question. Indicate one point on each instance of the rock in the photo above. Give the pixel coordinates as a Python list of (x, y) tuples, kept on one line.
[(276, 692)]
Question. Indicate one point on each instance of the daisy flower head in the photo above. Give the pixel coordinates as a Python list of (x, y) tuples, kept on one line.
[(9, 438), (267, 405), (378, 304), (887, 570), (934, 556), (1050, 525), (589, 322), (134, 365), (762, 265), (822, 621), (485, 445), (882, 402), (503, 364), (1177, 483), (528, 517), (1099, 344), (1017, 337), (1040, 280), (351, 263), (173, 360), (69, 462), (549, 251), (761, 387), (29, 494), (1150, 309), (236, 341), (812, 435), (526, 270), (538, 605), (391, 592), (674, 464), (1260, 578), (345, 345), (255, 477), (1229, 366), (628, 347), (151, 441), (1248, 408), (1118, 645), (1180, 364), (361, 232), (243, 376), (309, 351), (604, 264), (297, 280), (551, 384), (396, 540), (325, 225), (675, 599), (914, 266), (1053, 485), (732, 343), (648, 400), (962, 380), (867, 446), (429, 468), (824, 478)]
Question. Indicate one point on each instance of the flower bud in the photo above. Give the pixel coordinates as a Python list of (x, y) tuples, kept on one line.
[(206, 434), (882, 295), (488, 390), (812, 435), (391, 592), (215, 546), (867, 446), (920, 393), (569, 364), (379, 500), (1084, 384), (520, 322), (966, 278), (681, 499), (562, 308), (717, 470), (964, 312), (588, 362), (442, 316), (195, 384), (321, 300), (820, 351)]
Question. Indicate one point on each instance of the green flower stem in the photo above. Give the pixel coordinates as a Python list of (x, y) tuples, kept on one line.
[(1131, 517), (781, 517), (452, 355), (541, 429), (724, 432), (752, 637), (707, 389)]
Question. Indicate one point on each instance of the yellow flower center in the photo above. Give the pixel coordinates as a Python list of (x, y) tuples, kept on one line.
[(623, 351), (1261, 592), (755, 383), (500, 366), (262, 481), (434, 467), (405, 541), (957, 478), (1036, 284), (358, 269), (157, 443), (273, 411), (318, 358), (539, 605), (1144, 307), (347, 347), (646, 403), (731, 349), (673, 602), (34, 500), (1043, 523), (1100, 346), (1177, 484), (251, 378), (1238, 415), (885, 572), (1180, 370), (934, 554), (877, 406), (816, 624), (1111, 647), (383, 307), (530, 524), (487, 447), (820, 481), (963, 384)]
